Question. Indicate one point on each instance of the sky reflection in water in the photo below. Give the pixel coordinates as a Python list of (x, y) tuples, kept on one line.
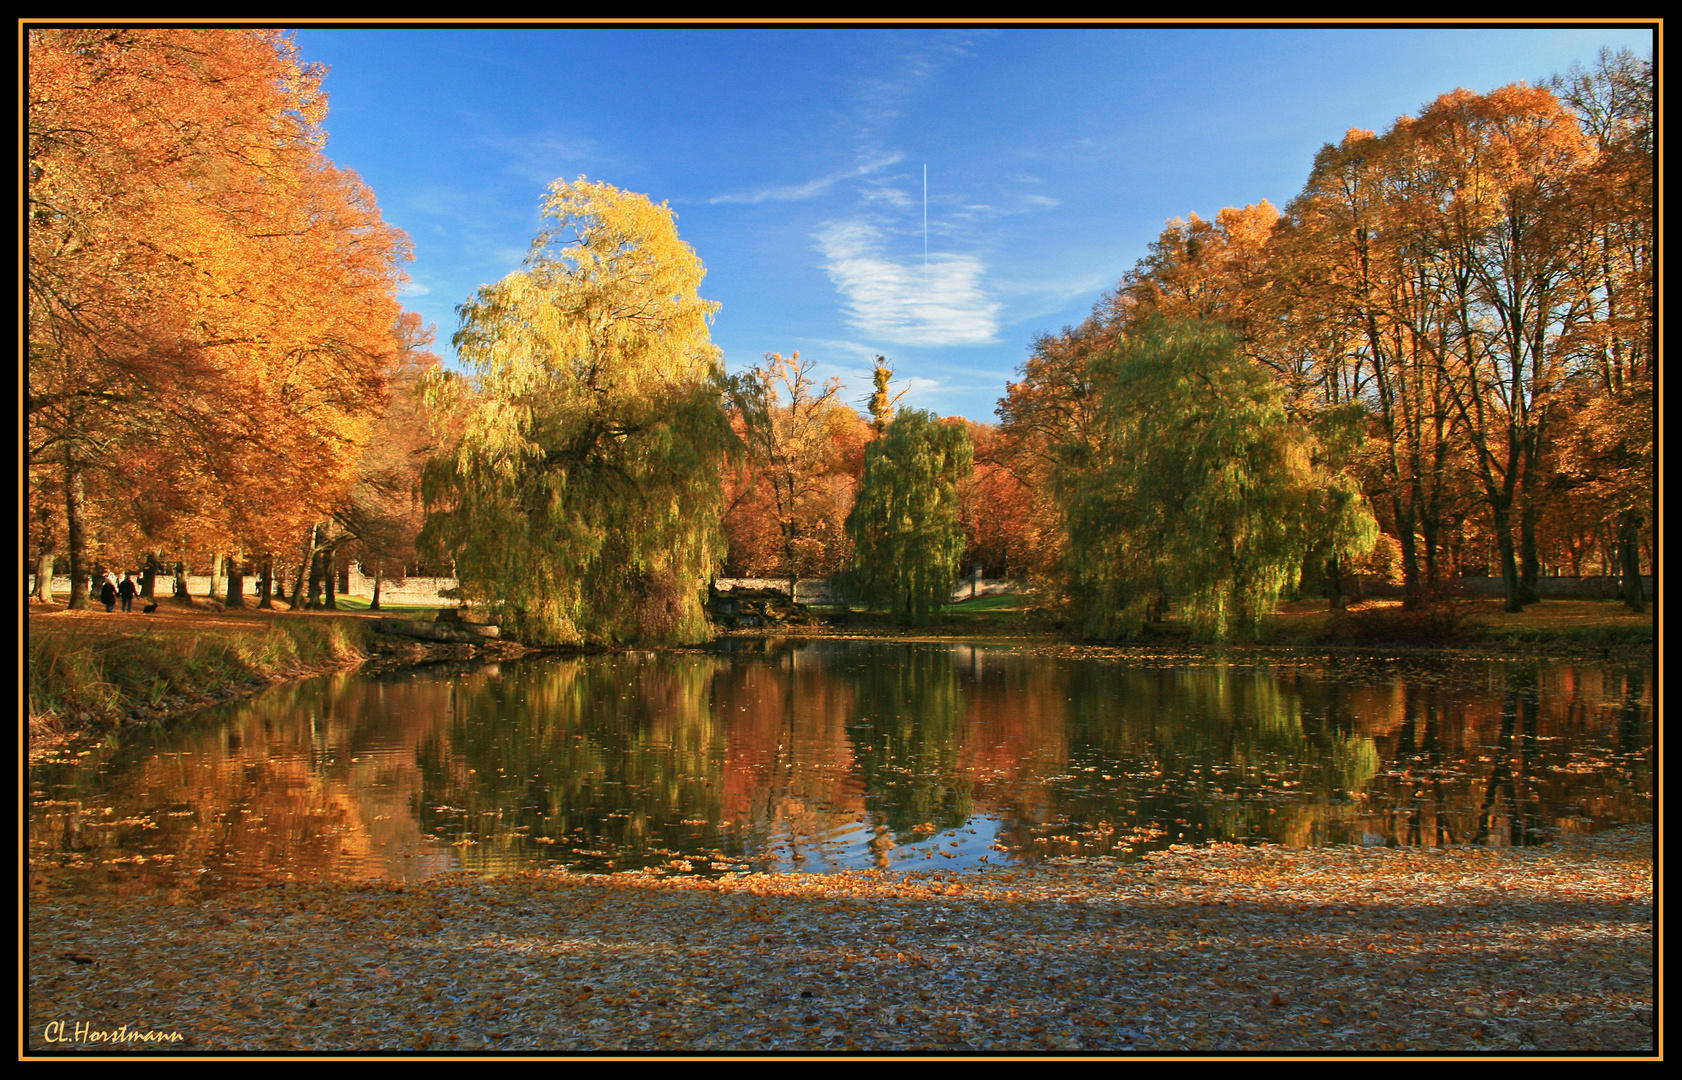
[(831, 755)]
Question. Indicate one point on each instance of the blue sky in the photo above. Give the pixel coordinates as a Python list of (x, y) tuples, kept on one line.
[(795, 158)]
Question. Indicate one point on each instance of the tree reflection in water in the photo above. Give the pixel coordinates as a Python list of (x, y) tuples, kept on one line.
[(831, 754)]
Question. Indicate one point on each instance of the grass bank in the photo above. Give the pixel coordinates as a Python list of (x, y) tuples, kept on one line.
[(94, 669), (1552, 626)]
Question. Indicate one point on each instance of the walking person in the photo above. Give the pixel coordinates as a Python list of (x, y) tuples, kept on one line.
[(127, 590), (108, 595)]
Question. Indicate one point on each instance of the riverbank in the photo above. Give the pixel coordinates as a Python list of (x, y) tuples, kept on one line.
[(1213, 950), (1558, 630), (93, 672), (1557, 627)]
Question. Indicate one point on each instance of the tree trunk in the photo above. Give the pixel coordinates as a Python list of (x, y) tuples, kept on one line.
[(1430, 530), (1530, 561), (180, 580), (149, 577), (379, 573), (1629, 559), (1335, 596), (44, 577), (1502, 513), (305, 563), (215, 577), (236, 583), (265, 583), (1413, 596), (76, 517)]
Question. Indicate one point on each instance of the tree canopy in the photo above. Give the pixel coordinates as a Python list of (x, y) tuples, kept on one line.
[(584, 494), (907, 534), (1471, 291), (1205, 490), (211, 302)]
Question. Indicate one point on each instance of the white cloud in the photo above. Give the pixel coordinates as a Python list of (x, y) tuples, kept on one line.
[(895, 197), (942, 303), (853, 349), (796, 192), (545, 159)]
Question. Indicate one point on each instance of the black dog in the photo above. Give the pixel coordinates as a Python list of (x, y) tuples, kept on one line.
[(149, 608)]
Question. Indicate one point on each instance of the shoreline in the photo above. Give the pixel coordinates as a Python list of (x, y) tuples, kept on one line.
[(1216, 949), (349, 641), (1212, 950), (1073, 645), (368, 649)]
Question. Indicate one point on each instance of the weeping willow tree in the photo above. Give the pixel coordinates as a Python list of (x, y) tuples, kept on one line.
[(582, 497), (1204, 489), (907, 539)]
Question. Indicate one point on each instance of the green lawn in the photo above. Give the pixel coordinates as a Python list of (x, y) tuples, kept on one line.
[(1000, 608), (356, 603)]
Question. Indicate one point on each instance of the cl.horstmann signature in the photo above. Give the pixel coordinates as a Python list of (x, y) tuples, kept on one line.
[(59, 1031)]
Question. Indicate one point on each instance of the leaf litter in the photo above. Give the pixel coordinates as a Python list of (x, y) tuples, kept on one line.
[(1213, 949)]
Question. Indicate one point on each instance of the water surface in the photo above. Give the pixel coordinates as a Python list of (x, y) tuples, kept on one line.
[(828, 755)]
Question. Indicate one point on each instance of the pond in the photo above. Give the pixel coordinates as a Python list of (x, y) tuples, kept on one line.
[(826, 755)]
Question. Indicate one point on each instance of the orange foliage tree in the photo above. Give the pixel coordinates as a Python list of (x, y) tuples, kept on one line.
[(1477, 282), (788, 502), (382, 513), (996, 508), (211, 302)]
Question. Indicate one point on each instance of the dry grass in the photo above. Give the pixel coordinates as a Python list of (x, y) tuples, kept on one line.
[(100, 669), (1477, 621)]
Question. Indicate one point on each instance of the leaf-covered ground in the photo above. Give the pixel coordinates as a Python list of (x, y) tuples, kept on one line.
[(1219, 949)]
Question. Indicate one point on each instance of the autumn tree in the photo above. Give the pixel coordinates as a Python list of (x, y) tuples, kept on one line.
[(791, 428), (210, 300), (1198, 269), (382, 512), (1204, 489), (1610, 459), (584, 495), (1359, 295), (996, 508), (1493, 202), (907, 536), (1052, 407)]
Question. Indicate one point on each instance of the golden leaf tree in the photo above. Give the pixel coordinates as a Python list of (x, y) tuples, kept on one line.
[(584, 496)]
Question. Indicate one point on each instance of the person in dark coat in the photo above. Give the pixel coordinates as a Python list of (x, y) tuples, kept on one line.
[(127, 590), (108, 595)]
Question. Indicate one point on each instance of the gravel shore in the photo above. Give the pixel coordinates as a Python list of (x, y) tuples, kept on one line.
[(1211, 950)]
